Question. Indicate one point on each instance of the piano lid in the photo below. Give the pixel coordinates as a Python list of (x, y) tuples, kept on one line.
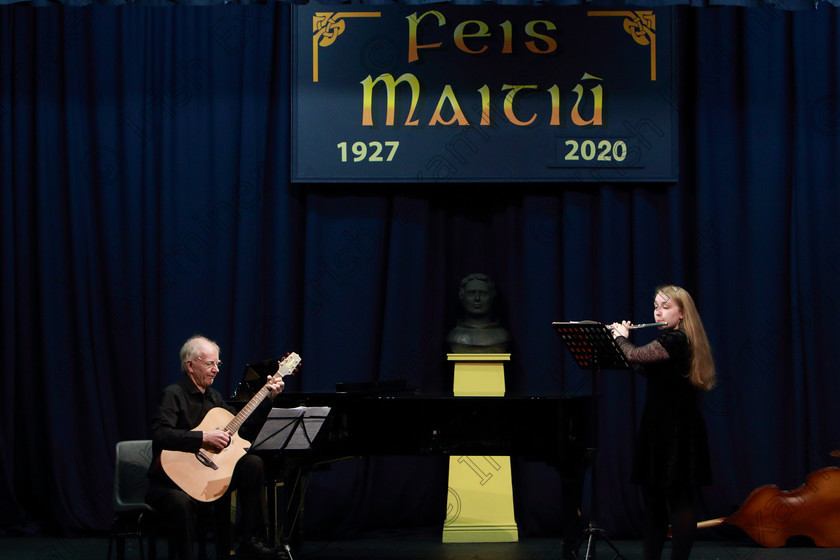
[(253, 379), (374, 387)]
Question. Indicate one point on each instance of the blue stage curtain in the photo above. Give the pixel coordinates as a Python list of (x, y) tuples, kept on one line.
[(144, 164)]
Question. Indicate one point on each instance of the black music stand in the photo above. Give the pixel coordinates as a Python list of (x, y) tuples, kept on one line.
[(592, 346), (290, 428)]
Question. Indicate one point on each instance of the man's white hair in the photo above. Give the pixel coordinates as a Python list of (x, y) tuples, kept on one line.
[(191, 349)]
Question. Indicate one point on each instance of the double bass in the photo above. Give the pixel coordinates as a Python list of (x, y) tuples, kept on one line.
[(771, 516)]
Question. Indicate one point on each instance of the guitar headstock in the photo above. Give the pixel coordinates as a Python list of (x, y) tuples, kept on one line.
[(287, 366)]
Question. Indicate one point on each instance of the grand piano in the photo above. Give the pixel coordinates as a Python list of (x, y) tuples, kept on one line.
[(388, 419)]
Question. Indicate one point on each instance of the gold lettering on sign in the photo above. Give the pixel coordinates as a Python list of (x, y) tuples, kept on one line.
[(641, 26), (597, 93), (326, 27)]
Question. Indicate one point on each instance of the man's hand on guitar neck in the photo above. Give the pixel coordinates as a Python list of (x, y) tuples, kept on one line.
[(274, 386), (215, 441)]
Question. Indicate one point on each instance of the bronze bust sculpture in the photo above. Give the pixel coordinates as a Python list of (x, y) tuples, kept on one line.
[(478, 332)]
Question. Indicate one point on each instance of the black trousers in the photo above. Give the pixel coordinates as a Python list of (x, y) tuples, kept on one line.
[(180, 512)]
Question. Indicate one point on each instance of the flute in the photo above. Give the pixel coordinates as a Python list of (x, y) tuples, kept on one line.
[(643, 325)]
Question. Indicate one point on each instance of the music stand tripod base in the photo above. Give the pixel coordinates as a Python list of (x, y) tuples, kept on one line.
[(591, 535)]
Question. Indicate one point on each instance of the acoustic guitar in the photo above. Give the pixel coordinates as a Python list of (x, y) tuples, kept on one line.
[(205, 475)]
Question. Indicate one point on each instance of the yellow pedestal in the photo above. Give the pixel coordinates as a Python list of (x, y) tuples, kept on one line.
[(480, 503)]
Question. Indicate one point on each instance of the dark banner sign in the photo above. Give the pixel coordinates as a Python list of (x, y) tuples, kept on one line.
[(442, 93)]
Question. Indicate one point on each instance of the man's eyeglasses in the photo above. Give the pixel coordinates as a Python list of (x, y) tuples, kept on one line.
[(211, 363)]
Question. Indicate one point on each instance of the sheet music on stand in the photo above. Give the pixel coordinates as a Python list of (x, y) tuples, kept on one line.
[(290, 428), (591, 345)]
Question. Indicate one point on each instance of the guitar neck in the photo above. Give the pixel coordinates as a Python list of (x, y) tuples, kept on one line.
[(286, 367), (237, 421)]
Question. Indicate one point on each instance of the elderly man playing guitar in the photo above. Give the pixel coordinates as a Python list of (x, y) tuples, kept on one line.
[(199, 455)]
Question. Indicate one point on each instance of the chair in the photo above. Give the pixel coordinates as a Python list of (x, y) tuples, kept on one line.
[(134, 517), (130, 483)]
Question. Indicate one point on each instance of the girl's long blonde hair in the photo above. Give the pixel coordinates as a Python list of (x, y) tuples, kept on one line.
[(702, 370)]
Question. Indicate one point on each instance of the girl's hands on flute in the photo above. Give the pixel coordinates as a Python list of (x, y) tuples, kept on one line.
[(620, 329)]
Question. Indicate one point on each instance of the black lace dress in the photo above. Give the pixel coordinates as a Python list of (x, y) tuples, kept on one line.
[(672, 447)]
